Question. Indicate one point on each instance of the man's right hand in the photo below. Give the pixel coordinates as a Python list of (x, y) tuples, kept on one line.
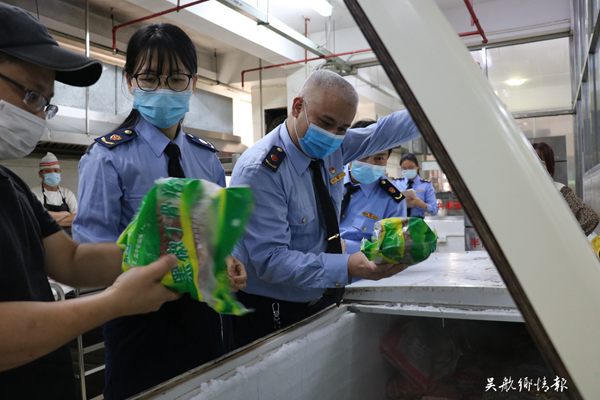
[(139, 290), (359, 266)]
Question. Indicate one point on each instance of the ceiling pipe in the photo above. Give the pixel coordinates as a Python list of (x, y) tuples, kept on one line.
[(170, 10), (474, 20), (305, 35), (301, 61)]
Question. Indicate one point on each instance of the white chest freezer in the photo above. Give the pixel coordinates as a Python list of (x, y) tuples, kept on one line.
[(336, 354)]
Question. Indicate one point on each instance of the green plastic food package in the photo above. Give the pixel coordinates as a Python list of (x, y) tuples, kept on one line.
[(197, 221), (400, 240)]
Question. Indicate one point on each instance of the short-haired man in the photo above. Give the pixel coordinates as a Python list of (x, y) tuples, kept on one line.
[(292, 249), (59, 201), (34, 360)]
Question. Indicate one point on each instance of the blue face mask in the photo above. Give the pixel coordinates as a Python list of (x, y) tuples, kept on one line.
[(52, 179), (409, 173), (365, 172), (317, 142), (163, 108)]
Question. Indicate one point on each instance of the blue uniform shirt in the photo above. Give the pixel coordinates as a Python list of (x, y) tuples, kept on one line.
[(112, 182), (368, 205), (425, 192), (284, 248)]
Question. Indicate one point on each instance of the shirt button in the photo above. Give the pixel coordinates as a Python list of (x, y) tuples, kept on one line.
[(351, 195), (343, 216), (128, 132), (364, 228), (303, 220), (337, 285)]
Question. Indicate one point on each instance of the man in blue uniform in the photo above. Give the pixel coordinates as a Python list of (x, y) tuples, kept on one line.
[(423, 199), (369, 196), (291, 248)]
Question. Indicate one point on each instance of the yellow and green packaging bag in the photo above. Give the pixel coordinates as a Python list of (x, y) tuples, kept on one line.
[(197, 221), (400, 240)]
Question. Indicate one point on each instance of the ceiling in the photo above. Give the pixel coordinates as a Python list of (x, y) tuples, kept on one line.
[(448, 4), (124, 11), (291, 13)]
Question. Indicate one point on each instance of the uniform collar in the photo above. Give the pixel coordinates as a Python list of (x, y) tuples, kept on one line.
[(156, 139), (299, 160), (416, 180)]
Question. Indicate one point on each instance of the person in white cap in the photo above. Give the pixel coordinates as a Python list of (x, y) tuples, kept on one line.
[(60, 202)]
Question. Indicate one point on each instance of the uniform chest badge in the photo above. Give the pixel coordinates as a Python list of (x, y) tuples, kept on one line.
[(369, 215), (332, 170), (337, 178), (420, 190)]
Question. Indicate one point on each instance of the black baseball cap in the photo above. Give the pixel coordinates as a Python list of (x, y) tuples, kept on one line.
[(24, 37)]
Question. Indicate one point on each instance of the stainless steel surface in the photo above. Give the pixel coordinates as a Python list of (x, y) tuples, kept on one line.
[(80, 362)]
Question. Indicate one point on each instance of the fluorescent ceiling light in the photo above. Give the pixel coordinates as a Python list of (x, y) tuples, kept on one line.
[(322, 7), (515, 82)]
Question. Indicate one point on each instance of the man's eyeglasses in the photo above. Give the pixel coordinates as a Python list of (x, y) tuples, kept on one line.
[(150, 82), (34, 100)]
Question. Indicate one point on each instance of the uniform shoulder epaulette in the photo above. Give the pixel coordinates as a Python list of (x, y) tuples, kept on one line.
[(392, 190), (201, 142), (425, 180), (274, 158), (116, 138)]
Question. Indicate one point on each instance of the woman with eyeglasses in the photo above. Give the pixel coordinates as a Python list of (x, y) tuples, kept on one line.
[(423, 199), (116, 173)]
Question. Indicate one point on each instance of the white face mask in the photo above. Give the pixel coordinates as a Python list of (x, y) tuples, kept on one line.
[(19, 131)]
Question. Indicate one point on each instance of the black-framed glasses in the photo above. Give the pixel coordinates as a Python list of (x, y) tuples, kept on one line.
[(34, 100), (150, 82)]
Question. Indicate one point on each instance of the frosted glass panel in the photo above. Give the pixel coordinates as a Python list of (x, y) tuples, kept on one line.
[(533, 76)]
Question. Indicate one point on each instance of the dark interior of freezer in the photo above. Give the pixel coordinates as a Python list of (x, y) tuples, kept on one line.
[(377, 356)]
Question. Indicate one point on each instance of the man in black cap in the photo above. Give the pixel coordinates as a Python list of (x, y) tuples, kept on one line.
[(34, 360)]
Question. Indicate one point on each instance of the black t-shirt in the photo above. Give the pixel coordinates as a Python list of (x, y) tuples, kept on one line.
[(23, 224)]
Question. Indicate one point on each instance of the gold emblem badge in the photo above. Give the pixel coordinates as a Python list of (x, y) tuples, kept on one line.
[(274, 158), (106, 141), (369, 215), (332, 170), (115, 137), (337, 178)]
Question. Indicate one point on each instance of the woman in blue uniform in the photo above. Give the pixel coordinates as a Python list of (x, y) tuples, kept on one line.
[(425, 200), (118, 170), (368, 197)]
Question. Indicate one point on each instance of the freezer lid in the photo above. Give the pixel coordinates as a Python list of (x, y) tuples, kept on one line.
[(447, 285), (532, 237)]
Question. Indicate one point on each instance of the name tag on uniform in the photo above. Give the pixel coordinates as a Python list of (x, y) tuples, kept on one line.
[(337, 178), (420, 190), (369, 215)]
